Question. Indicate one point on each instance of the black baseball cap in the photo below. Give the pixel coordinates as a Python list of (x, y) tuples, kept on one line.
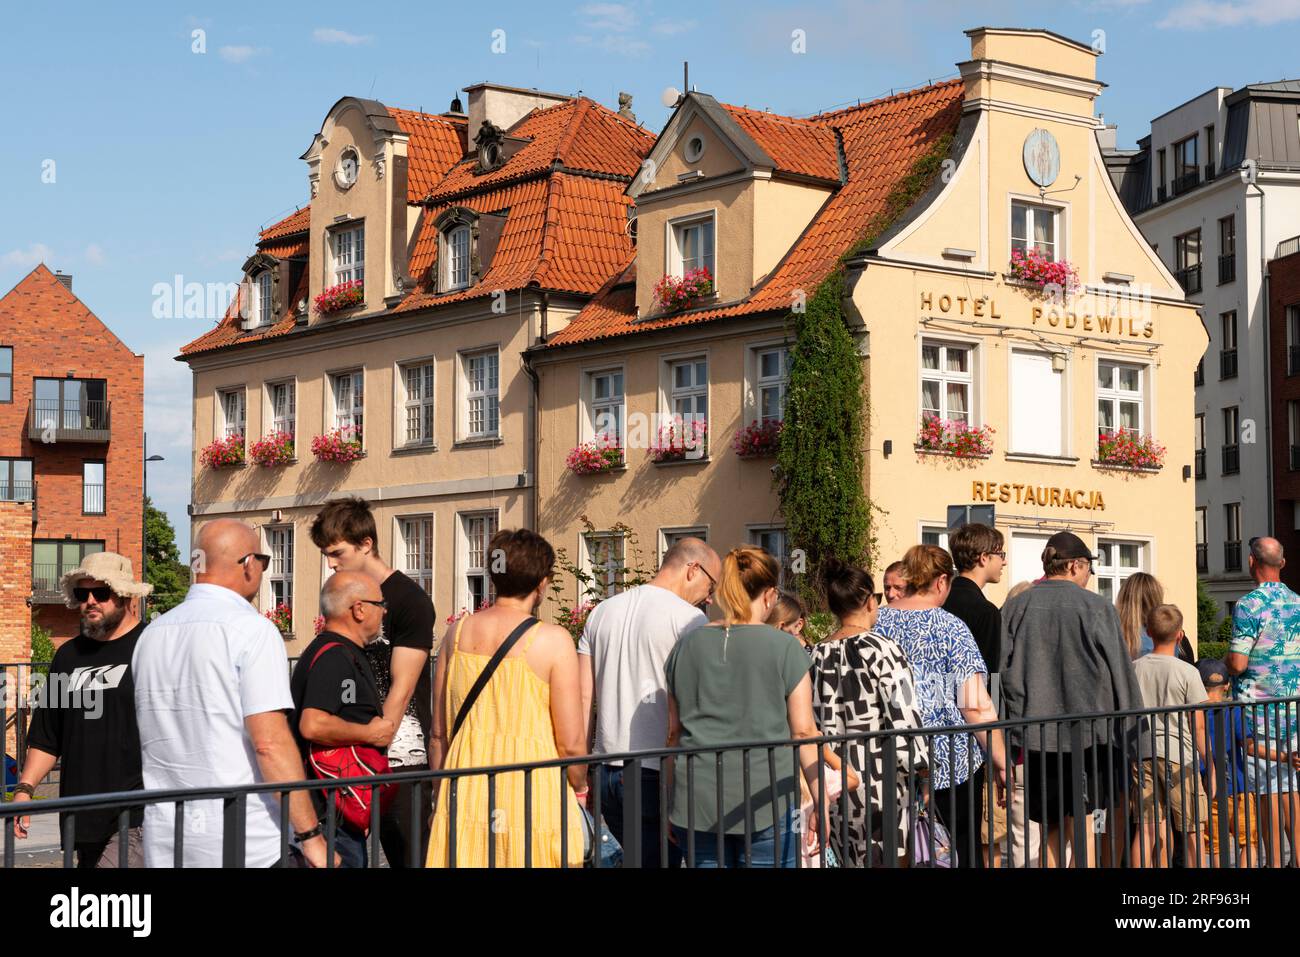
[(1067, 545), (1214, 673)]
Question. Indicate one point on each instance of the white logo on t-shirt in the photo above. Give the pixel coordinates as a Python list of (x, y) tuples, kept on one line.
[(102, 677)]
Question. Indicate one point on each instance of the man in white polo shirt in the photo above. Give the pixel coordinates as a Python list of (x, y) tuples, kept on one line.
[(622, 653), (211, 696)]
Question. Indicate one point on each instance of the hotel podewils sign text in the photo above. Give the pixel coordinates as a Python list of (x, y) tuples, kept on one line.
[(1115, 323)]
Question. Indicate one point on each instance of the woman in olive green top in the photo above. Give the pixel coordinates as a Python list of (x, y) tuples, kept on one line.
[(728, 682)]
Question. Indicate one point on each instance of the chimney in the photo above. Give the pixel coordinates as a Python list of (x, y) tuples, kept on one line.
[(1108, 137), (65, 279), (504, 106)]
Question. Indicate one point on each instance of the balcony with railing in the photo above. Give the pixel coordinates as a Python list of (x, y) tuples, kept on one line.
[(1189, 180), (1202, 558), (1199, 377), (1227, 363), (50, 420), (1231, 459), (45, 583), (19, 492), (1190, 279), (92, 499), (1199, 458), (1287, 247), (1232, 556), (1227, 268)]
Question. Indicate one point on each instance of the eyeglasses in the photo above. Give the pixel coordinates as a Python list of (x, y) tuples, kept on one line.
[(381, 603), (101, 592), (1001, 555), (713, 582), (264, 559)]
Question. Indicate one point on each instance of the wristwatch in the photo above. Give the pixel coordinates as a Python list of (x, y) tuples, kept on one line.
[(301, 836)]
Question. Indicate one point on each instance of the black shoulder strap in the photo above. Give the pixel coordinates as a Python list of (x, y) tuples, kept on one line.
[(486, 675)]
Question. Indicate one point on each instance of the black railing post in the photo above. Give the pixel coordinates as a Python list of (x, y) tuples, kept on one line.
[(632, 813)]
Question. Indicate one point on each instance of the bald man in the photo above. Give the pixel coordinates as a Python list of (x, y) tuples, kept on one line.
[(1265, 656), (211, 696)]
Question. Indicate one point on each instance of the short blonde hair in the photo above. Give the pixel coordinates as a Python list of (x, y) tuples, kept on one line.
[(1164, 623)]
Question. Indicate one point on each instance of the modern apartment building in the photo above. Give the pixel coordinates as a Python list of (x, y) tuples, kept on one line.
[(1215, 187), (376, 347), (71, 445), (1284, 394)]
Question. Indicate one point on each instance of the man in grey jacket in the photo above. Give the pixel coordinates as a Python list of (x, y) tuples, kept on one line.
[(1063, 654)]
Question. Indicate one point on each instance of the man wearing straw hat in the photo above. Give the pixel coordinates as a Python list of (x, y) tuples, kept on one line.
[(85, 712)]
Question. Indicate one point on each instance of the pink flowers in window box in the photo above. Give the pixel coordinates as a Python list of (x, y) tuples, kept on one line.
[(282, 617), (1057, 279), (573, 620), (223, 453), (337, 445), (679, 440), (758, 439), (954, 437), (275, 449), (672, 293), (343, 296), (601, 454), (1129, 450), (457, 616)]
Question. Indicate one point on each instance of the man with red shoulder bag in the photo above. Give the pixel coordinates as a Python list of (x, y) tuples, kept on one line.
[(338, 718)]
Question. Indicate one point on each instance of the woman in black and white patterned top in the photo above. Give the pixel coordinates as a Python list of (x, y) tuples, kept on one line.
[(863, 683)]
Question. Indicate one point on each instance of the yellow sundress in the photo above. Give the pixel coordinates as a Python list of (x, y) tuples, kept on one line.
[(510, 723)]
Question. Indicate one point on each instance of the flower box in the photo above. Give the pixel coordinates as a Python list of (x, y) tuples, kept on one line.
[(282, 617), (679, 441), (1057, 280), (601, 454), (758, 439), (1129, 450), (223, 453), (275, 449), (337, 445), (343, 296), (672, 293), (954, 437)]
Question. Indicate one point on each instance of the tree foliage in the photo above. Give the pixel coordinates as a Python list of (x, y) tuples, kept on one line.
[(169, 576), (1207, 614)]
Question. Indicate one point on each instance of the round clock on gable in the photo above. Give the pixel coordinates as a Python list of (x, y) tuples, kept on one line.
[(346, 172), (1042, 157)]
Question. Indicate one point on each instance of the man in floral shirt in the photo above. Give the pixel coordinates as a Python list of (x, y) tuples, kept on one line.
[(1265, 657)]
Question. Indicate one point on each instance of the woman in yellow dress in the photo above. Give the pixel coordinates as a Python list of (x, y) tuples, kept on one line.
[(530, 710)]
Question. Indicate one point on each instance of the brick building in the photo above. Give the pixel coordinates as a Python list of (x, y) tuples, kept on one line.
[(1284, 396), (71, 434)]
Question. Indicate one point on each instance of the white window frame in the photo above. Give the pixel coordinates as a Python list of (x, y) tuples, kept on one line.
[(593, 409), (490, 396), (355, 416), (1036, 207), (450, 264), (674, 265), (425, 406), (276, 422), (607, 581), (695, 390), (225, 427), (676, 532), (970, 378), (937, 530), (754, 534), (348, 252), (1117, 573), (264, 314), (762, 383), (465, 570), (1145, 394), (281, 569), (1067, 402), (424, 547)]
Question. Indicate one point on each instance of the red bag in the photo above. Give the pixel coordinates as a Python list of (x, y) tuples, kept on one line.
[(353, 802)]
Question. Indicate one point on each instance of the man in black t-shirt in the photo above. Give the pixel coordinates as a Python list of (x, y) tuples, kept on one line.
[(345, 532), (84, 714), (335, 699)]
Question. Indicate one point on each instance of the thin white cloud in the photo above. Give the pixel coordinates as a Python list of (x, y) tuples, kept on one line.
[(616, 44), (331, 35), (95, 254), (669, 28), (1206, 14), (33, 254), (611, 17), (240, 54)]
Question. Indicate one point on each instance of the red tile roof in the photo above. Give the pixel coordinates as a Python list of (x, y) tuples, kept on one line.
[(796, 146), (228, 331), (436, 144), (882, 140), (288, 237)]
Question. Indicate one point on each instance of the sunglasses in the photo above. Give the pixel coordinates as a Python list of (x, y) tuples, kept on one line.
[(264, 559), (101, 592)]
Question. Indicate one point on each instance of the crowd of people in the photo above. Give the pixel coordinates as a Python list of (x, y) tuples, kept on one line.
[(202, 697)]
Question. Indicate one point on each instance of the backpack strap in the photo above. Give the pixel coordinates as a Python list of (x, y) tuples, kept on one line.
[(324, 648), (486, 674)]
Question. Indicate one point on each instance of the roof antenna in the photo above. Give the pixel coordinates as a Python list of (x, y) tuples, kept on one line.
[(686, 76)]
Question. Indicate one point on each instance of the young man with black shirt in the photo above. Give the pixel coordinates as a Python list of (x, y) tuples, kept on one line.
[(346, 534), (335, 700), (977, 551), (85, 711)]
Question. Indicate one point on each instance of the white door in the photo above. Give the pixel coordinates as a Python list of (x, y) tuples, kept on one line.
[(1026, 558)]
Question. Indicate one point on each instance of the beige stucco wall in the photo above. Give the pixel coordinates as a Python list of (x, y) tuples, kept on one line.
[(718, 158), (1035, 50), (782, 211)]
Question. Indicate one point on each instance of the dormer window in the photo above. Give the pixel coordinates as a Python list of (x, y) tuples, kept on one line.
[(490, 143), (458, 248), (348, 246), (264, 312), (457, 261), (692, 245)]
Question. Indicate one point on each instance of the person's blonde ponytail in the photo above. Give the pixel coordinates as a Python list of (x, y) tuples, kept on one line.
[(746, 573)]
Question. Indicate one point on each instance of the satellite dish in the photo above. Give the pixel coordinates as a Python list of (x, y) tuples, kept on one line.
[(670, 96)]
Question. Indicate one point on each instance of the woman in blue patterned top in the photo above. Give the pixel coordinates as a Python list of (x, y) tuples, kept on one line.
[(950, 682)]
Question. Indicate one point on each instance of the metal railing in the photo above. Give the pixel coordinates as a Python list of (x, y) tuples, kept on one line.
[(1287, 247), (1202, 557), (1189, 180), (1199, 458), (1227, 268), (1132, 788), (50, 420), (19, 492), (45, 583), (1232, 556), (92, 499), (1189, 278), (1227, 363), (1231, 459), (1198, 377)]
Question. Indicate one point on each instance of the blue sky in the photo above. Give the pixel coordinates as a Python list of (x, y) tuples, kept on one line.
[(166, 161)]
